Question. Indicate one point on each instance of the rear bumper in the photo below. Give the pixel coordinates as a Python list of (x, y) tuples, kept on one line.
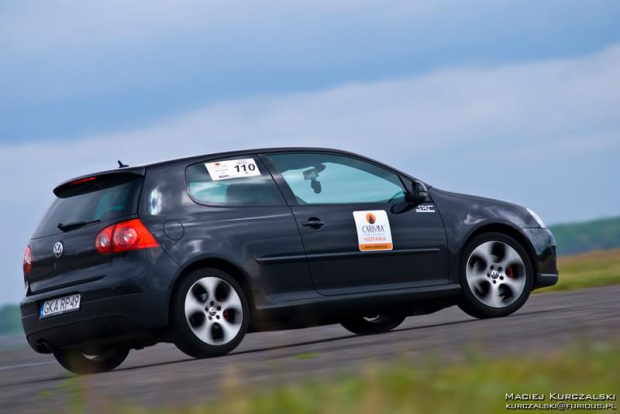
[(127, 305), (125, 318)]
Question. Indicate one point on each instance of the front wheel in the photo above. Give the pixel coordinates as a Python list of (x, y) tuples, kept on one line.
[(372, 325), (209, 314), (86, 363), (496, 276)]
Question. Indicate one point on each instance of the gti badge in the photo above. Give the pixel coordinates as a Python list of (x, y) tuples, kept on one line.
[(425, 208), (58, 250)]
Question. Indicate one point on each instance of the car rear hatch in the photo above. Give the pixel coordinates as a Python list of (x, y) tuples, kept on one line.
[(63, 245)]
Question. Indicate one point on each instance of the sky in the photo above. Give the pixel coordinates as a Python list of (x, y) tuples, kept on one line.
[(517, 100)]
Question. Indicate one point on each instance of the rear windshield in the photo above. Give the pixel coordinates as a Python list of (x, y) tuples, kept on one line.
[(103, 199)]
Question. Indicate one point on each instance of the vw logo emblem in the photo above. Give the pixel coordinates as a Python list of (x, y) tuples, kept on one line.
[(58, 250)]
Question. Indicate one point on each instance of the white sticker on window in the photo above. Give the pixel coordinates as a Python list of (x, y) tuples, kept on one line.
[(373, 230), (225, 170)]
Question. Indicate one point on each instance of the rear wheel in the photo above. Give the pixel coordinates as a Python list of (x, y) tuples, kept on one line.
[(372, 325), (496, 276), (210, 314), (86, 363)]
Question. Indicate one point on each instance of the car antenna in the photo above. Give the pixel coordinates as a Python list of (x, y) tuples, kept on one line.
[(121, 165)]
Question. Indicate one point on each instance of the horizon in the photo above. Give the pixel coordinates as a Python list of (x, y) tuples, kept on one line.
[(518, 101)]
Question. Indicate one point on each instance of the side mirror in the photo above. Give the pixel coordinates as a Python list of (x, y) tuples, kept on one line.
[(419, 192)]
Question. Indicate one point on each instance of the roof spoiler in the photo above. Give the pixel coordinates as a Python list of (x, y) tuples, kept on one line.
[(66, 186)]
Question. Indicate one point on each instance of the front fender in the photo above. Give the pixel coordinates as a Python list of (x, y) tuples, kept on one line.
[(465, 215)]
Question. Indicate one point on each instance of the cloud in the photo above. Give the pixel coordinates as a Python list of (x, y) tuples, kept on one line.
[(553, 103), (32, 29), (66, 50), (543, 134)]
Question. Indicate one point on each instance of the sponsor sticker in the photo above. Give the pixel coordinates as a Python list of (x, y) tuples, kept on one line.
[(225, 170), (373, 230)]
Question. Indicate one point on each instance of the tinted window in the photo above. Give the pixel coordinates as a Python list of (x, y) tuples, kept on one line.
[(332, 179), (104, 198), (259, 189)]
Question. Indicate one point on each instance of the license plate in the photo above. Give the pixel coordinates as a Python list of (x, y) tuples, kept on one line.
[(60, 305)]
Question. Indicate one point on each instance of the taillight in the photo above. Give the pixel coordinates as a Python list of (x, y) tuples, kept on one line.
[(103, 241), (27, 263), (121, 237)]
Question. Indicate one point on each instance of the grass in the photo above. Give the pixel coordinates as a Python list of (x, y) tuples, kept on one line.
[(471, 384), (306, 355), (592, 269)]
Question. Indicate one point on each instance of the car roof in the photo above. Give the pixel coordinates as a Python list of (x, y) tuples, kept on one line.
[(141, 169), (227, 154)]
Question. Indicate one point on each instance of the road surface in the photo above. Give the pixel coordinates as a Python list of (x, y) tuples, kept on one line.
[(161, 376)]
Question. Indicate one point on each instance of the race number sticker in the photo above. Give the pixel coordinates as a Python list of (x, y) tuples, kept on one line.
[(373, 230), (225, 170)]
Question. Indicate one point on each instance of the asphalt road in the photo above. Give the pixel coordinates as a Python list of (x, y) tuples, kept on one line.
[(162, 376)]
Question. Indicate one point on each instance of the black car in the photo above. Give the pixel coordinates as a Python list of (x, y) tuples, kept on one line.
[(201, 250)]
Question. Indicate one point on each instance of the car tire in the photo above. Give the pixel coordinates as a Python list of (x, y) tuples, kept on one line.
[(375, 325), (83, 364), (496, 276), (209, 313)]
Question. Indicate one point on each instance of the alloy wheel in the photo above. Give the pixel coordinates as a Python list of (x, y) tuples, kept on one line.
[(496, 274), (213, 310)]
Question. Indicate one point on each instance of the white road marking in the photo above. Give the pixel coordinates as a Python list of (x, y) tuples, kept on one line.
[(31, 364)]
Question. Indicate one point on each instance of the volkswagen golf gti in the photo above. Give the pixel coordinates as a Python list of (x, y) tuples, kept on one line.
[(200, 251)]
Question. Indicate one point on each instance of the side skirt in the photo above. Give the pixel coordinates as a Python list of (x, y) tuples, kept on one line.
[(322, 310)]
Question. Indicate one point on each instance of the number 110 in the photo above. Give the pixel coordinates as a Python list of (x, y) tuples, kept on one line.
[(245, 167)]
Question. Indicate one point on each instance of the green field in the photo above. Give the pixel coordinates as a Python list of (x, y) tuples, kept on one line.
[(592, 269), (10, 321), (471, 383), (601, 234)]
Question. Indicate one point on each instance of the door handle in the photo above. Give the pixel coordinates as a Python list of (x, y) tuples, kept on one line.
[(313, 222)]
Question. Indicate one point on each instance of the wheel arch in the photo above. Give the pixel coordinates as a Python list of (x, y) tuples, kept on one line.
[(510, 231), (216, 263)]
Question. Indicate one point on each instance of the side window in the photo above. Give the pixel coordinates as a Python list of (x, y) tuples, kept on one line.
[(335, 179), (234, 182)]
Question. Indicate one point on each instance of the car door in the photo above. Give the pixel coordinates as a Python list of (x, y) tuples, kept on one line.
[(358, 229), (230, 209)]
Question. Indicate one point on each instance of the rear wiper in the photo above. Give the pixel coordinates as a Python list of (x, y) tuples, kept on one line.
[(75, 225)]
